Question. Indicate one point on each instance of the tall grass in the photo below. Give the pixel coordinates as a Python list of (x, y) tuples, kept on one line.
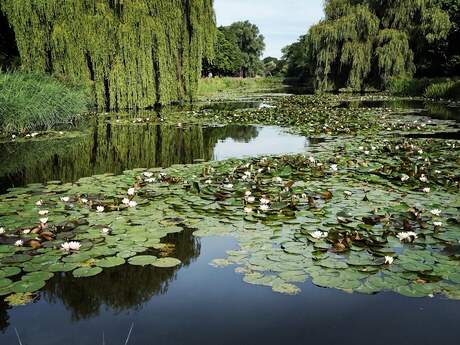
[(32, 101), (437, 88), (212, 86)]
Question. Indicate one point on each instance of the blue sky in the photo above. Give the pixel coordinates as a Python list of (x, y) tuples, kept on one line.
[(281, 22)]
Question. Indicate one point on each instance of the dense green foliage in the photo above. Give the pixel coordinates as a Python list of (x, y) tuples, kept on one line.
[(297, 59), (34, 101), (237, 51), (219, 86), (437, 88), (131, 53), (361, 45)]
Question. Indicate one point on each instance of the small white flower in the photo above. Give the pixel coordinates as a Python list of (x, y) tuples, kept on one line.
[(100, 209), (404, 177), (247, 193), (426, 190), (420, 151), (312, 159), (228, 186), (19, 243), (437, 171), (439, 224), (150, 180), (105, 231), (389, 260), (318, 234), (361, 148), (148, 174), (334, 167), (26, 231), (347, 193), (263, 207), (264, 201), (131, 191), (247, 174), (248, 209), (278, 179), (43, 212), (33, 135), (84, 200), (250, 199), (367, 152), (436, 212), (72, 245), (132, 203), (61, 133), (405, 235), (208, 181), (39, 202), (43, 220), (125, 201), (13, 136), (65, 198), (423, 178), (304, 196), (2, 231)]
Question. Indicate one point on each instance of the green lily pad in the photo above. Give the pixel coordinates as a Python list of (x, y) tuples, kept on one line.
[(166, 262), (142, 260), (86, 272)]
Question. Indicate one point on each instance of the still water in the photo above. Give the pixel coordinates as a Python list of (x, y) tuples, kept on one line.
[(194, 303)]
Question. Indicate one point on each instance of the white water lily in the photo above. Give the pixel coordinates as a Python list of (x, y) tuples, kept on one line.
[(150, 180), (2, 230), (132, 203), (84, 200), (72, 245), (404, 177), (334, 167), (389, 260), (437, 224), (318, 234), (264, 201), (263, 207), (228, 186), (304, 196), (278, 179), (436, 212), (26, 231), (43, 212), (248, 209), (247, 193), (105, 231), (100, 209), (406, 235), (39, 202), (423, 178), (19, 243), (347, 193), (426, 190), (208, 181), (247, 174), (250, 199), (131, 191), (43, 220), (312, 159), (148, 174), (125, 201), (65, 198)]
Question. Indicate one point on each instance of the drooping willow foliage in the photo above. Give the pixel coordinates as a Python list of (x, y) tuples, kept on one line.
[(132, 53), (363, 43)]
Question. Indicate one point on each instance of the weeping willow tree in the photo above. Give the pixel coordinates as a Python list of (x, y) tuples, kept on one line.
[(363, 43), (132, 53)]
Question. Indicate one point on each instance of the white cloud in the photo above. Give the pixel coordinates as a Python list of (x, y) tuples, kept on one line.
[(281, 22)]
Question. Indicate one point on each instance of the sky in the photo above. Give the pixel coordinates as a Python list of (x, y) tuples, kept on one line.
[(281, 22)]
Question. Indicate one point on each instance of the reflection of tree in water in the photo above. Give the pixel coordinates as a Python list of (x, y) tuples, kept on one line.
[(238, 133), (120, 288), (4, 317)]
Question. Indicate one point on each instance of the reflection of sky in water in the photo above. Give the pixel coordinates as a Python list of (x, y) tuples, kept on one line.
[(270, 141)]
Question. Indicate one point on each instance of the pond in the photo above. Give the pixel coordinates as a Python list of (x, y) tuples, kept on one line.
[(226, 289)]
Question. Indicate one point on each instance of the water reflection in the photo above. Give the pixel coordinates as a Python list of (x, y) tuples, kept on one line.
[(113, 148)]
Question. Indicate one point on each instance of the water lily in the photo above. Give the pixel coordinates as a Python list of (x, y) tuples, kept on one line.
[(248, 209), (43, 212), (347, 193), (250, 199), (247, 174), (43, 220), (334, 167), (2, 230), (426, 190), (105, 231), (84, 200), (228, 186), (264, 201), (65, 198), (131, 191), (436, 212), (402, 236), (318, 234), (278, 179), (263, 207), (39, 202), (423, 178), (148, 174), (404, 177), (389, 260), (150, 180), (125, 201), (19, 243), (437, 224), (132, 203), (247, 193), (208, 181), (100, 209), (72, 245)]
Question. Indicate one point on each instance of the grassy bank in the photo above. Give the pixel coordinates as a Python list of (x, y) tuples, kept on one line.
[(212, 86), (30, 101), (439, 88)]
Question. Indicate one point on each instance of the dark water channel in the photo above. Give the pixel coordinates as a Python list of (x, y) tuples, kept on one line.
[(194, 303)]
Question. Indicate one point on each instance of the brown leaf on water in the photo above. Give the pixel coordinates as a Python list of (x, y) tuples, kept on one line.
[(34, 244), (288, 184), (326, 195)]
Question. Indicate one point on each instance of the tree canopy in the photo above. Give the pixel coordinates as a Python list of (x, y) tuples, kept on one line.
[(363, 43), (132, 53)]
